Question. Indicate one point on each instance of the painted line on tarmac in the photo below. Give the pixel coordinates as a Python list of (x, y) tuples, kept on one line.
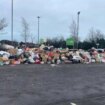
[(73, 104)]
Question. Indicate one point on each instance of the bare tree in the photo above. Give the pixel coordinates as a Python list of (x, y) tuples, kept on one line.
[(73, 33), (95, 35), (32, 38), (91, 35), (25, 32), (99, 34), (73, 30), (3, 24)]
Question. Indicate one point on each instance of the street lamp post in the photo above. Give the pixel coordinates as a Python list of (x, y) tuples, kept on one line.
[(78, 13), (38, 28), (12, 21)]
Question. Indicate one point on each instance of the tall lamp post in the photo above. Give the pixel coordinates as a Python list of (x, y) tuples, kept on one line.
[(12, 21), (78, 13), (38, 27)]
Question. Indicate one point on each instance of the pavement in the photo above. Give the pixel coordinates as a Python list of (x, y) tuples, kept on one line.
[(71, 84)]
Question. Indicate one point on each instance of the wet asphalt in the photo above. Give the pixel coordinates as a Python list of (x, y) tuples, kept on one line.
[(81, 84)]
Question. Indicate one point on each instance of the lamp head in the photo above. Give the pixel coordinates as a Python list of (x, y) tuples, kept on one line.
[(38, 17), (78, 12)]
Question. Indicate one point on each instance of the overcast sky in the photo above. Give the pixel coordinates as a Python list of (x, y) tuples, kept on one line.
[(56, 16)]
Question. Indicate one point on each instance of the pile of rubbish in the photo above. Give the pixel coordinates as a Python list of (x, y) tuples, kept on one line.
[(49, 55)]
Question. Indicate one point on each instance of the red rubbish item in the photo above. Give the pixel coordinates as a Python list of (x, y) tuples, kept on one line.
[(50, 54), (37, 62)]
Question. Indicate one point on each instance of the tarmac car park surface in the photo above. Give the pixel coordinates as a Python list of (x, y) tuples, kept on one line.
[(81, 84)]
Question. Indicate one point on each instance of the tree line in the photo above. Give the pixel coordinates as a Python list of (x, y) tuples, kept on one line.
[(95, 37)]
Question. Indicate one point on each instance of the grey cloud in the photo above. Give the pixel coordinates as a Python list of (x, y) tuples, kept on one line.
[(56, 15)]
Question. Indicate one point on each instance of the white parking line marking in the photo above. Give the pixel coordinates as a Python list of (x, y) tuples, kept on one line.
[(73, 104)]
